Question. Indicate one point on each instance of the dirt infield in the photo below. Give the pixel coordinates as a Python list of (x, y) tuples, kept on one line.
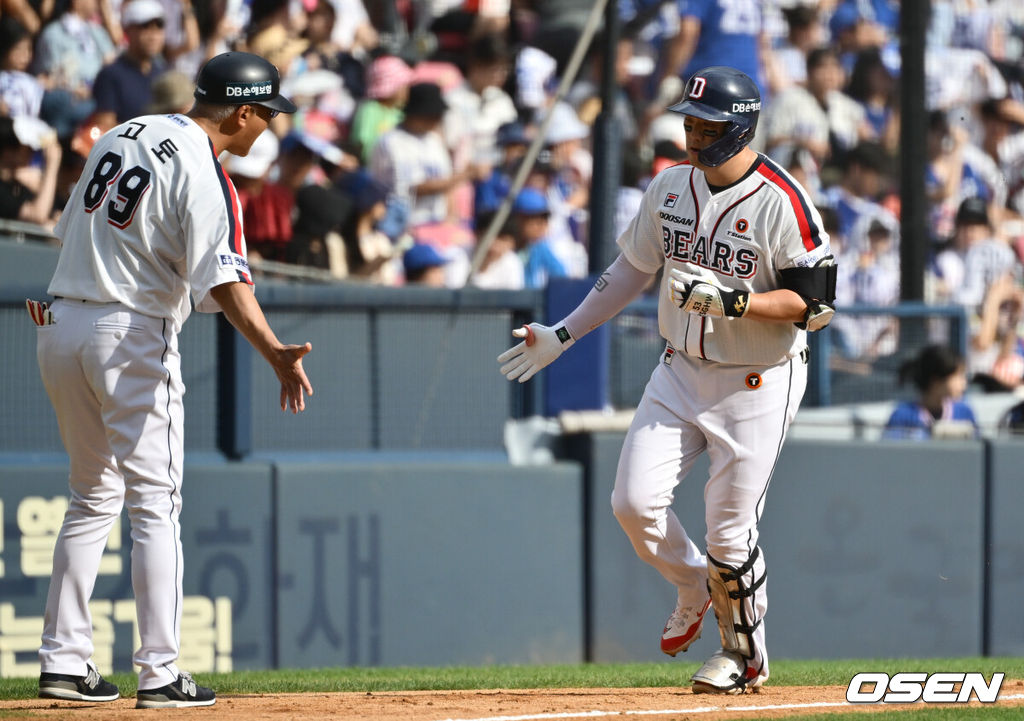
[(486, 705)]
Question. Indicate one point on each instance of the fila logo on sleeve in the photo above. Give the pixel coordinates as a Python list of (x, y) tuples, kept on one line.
[(670, 200)]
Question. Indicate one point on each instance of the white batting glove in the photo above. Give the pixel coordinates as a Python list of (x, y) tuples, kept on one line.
[(541, 346), (695, 294)]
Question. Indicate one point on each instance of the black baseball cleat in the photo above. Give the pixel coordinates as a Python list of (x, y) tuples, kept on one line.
[(183, 693), (90, 687)]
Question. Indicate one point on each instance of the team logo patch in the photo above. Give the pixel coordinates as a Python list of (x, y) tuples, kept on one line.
[(742, 226), (670, 200), (753, 381), (697, 87), (230, 260)]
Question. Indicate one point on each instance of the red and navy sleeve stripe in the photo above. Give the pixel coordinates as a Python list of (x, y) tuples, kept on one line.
[(810, 234), (235, 237)]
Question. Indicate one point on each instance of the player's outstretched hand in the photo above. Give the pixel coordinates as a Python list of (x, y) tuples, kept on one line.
[(541, 345), (696, 294), (288, 367)]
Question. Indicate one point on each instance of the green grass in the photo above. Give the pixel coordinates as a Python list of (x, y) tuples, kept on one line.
[(635, 675), (784, 673)]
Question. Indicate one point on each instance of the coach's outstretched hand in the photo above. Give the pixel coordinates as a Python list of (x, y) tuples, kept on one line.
[(288, 367), (241, 308), (541, 345)]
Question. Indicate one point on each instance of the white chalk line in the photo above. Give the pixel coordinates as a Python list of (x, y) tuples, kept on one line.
[(697, 710)]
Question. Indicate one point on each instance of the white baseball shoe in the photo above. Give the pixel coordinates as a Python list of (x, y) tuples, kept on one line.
[(726, 672), (683, 628)]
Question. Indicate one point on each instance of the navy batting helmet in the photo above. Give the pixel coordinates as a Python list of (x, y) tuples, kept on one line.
[(236, 78), (722, 94)]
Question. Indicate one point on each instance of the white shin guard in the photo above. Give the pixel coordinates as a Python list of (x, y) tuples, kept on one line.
[(731, 594)]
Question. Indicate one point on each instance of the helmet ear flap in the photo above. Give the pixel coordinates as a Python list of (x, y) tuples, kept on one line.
[(735, 138)]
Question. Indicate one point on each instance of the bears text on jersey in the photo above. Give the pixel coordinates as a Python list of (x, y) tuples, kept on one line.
[(717, 255)]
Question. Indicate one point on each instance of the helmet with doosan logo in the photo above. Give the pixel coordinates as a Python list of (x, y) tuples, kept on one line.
[(237, 78), (722, 94)]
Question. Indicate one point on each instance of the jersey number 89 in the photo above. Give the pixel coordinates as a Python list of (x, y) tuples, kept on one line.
[(131, 186)]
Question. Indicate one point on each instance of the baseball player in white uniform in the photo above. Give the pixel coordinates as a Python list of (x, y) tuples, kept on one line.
[(747, 271), (153, 219)]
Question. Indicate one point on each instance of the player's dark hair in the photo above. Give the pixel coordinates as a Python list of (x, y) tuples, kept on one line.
[(932, 363)]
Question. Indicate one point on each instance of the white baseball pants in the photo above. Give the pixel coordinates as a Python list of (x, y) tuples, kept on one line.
[(740, 415), (114, 378)]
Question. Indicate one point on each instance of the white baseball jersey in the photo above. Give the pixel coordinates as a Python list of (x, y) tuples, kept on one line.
[(740, 237), (403, 161), (153, 217)]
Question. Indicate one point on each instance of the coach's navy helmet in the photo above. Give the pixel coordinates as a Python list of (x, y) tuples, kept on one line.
[(722, 94), (237, 78)]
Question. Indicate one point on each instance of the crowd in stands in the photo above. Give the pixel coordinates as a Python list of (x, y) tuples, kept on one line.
[(415, 115)]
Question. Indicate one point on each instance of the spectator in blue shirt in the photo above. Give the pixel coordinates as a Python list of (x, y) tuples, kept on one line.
[(940, 375), (532, 213), (513, 139), (124, 88), (717, 32)]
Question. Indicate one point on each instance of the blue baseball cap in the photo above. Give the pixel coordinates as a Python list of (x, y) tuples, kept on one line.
[(366, 190), (422, 256), (531, 201), (845, 16), (513, 133)]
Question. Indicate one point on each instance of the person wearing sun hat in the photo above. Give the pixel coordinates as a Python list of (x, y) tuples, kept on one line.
[(387, 89)]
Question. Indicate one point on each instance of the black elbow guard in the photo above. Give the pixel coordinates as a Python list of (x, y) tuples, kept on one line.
[(817, 286)]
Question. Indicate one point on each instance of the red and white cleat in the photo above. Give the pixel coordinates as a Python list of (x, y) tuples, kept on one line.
[(683, 628)]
